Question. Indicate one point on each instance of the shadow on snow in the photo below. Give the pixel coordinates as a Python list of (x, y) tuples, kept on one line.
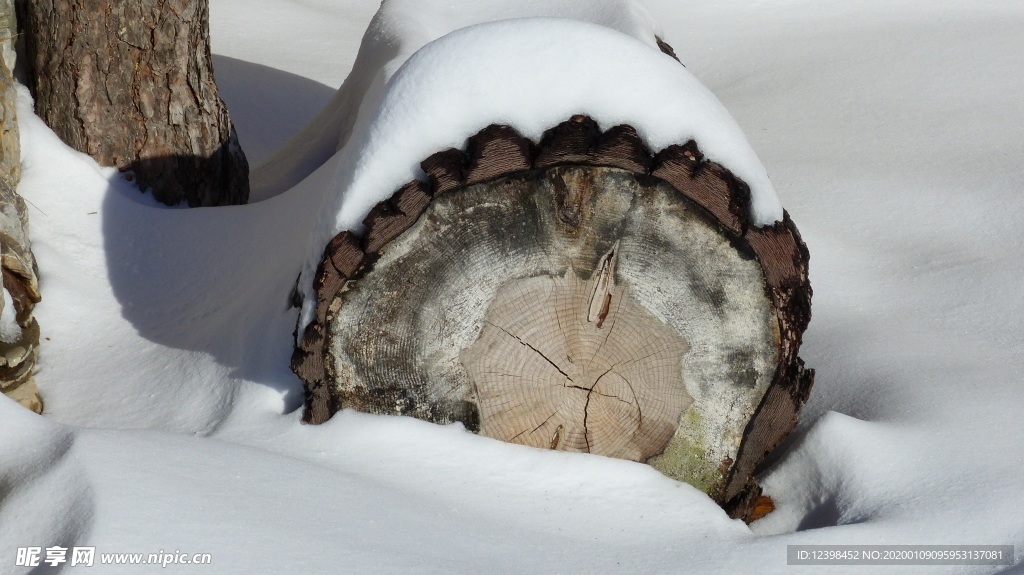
[(218, 280)]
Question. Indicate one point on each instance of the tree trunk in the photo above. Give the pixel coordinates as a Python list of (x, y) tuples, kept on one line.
[(130, 82), (19, 332), (579, 294)]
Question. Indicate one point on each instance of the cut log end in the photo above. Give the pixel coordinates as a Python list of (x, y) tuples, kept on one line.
[(577, 365), (624, 307)]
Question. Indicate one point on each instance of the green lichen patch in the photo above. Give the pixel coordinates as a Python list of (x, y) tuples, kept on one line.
[(688, 457)]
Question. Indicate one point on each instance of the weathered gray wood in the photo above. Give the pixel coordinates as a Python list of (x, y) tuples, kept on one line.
[(599, 299), (19, 340), (784, 257), (10, 150), (130, 82)]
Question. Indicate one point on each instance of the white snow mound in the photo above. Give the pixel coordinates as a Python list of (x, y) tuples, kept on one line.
[(397, 30), (532, 74)]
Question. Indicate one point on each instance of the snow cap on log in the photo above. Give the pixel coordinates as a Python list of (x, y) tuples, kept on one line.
[(529, 74), (396, 32)]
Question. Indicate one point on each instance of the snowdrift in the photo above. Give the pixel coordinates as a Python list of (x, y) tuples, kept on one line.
[(172, 418)]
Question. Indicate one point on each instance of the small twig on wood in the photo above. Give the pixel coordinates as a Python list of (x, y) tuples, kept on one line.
[(29, 202)]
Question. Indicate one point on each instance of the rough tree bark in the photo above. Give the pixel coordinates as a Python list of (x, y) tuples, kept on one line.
[(580, 294), (130, 82), (19, 332)]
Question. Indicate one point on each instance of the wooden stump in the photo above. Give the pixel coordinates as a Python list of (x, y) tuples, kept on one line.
[(578, 294)]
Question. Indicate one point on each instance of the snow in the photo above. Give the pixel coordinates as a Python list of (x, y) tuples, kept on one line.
[(397, 30), (891, 132), (10, 331)]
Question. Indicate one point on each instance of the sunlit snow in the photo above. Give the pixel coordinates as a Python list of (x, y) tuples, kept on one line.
[(891, 132)]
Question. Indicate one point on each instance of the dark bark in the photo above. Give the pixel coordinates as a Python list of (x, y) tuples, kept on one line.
[(130, 82), (572, 165), (665, 48)]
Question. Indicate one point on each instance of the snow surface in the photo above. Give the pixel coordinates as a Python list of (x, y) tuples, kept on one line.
[(891, 130), (10, 331)]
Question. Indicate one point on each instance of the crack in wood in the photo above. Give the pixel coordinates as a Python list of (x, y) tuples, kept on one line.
[(615, 317), (539, 352), (601, 297), (586, 431)]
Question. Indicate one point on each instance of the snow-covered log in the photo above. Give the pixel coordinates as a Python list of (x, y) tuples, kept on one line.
[(19, 332), (581, 290), (578, 295)]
